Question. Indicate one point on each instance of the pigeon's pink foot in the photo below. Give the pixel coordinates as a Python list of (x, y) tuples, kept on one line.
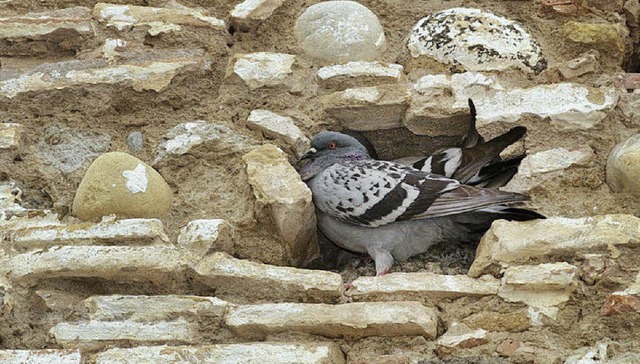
[(347, 286), (383, 260), (380, 274)]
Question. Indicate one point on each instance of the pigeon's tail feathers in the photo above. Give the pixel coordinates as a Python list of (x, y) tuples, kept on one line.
[(469, 198), (502, 141), (496, 174), (472, 138), (513, 213)]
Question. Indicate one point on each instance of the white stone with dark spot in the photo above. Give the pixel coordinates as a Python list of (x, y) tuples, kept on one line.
[(340, 31), (476, 40)]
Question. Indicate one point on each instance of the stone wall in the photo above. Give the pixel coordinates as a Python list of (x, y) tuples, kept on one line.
[(195, 241)]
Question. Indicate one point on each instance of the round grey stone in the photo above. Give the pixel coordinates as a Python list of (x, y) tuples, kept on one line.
[(134, 141), (623, 166), (476, 40), (340, 31)]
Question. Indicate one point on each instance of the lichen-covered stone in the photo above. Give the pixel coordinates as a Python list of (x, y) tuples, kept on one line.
[(277, 184), (509, 242), (601, 35), (340, 31), (261, 69), (368, 108), (257, 281), (539, 168), (249, 353), (623, 166), (493, 43), (158, 20), (118, 183), (352, 320)]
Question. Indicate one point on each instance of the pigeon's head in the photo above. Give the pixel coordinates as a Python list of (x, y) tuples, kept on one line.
[(327, 148)]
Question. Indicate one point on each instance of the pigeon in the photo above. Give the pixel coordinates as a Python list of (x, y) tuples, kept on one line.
[(389, 210), (476, 162)]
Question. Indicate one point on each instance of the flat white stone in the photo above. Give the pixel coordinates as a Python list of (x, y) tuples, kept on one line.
[(96, 334), (535, 169), (340, 31), (460, 334), (112, 232), (262, 69), (153, 308), (623, 166), (512, 242), (477, 40), (250, 353), (237, 277), (567, 105), (353, 320), (360, 71), (543, 285), (251, 12), (277, 126), (158, 20), (202, 236), (52, 356), (122, 263), (43, 25), (421, 286)]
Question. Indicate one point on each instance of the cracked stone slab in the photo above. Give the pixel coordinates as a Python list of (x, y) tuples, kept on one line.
[(47, 356), (98, 334), (421, 286), (507, 243), (120, 263), (249, 353), (107, 232), (368, 108), (476, 40), (353, 320), (144, 71), (238, 277), (158, 20)]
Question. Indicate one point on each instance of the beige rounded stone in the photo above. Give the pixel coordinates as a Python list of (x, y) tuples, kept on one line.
[(340, 31), (623, 166), (118, 183)]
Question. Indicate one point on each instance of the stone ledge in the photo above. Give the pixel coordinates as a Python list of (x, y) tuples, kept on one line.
[(508, 243), (421, 286), (154, 308), (359, 74), (118, 232), (40, 356), (250, 353), (149, 263), (351, 320), (94, 335), (236, 277), (141, 71)]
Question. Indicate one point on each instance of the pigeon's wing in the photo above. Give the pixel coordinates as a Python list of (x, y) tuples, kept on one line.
[(373, 193)]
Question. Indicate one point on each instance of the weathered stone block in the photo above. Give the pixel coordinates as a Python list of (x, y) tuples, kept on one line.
[(248, 14), (539, 168), (619, 303), (121, 184), (202, 237), (586, 63), (107, 232), (460, 336), (94, 335), (623, 166), (57, 31), (146, 71), (154, 308), (368, 108), (51, 356), (359, 74), (541, 285), (250, 353), (121, 263), (352, 320), (507, 243), (493, 43), (602, 35), (279, 127), (10, 136), (567, 105), (261, 69), (421, 286), (157, 20), (237, 277), (276, 184)]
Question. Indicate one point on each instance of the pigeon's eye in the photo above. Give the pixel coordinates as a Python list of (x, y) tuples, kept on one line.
[(332, 145)]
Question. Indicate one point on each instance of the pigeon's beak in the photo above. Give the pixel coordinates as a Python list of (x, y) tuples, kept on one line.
[(309, 154)]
